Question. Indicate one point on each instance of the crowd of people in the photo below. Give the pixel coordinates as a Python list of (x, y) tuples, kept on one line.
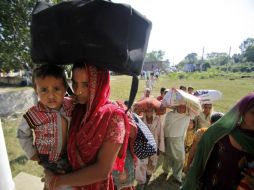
[(85, 141)]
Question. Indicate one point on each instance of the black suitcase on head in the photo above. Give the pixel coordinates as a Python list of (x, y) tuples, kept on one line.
[(109, 35), (105, 34)]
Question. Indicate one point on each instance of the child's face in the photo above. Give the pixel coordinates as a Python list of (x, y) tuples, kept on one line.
[(51, 91)]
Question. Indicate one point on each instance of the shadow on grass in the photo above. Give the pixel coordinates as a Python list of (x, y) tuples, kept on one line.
[(160, 181)]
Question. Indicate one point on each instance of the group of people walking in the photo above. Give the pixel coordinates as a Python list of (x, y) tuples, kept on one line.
[(81, 139), (210, 150)]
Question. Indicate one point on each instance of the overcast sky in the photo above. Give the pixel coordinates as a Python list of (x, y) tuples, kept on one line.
[(181, 27)]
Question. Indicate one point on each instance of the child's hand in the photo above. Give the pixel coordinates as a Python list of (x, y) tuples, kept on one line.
[(35, 157), (60, 171), (74, 98)]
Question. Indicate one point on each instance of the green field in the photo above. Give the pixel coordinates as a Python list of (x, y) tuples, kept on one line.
[(232, 91)]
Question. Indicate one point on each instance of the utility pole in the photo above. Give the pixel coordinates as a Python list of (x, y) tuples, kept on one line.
[(228, 57), (202, 60)]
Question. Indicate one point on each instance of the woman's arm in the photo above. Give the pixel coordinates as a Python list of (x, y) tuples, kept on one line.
[(93, 173)]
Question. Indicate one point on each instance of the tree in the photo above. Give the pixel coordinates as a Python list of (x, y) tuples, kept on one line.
[(15, 20), (249, 53), (236, 58), (191, 58), (205, 66), (155, 56), (246, 44), (181, 64), (216, 58)]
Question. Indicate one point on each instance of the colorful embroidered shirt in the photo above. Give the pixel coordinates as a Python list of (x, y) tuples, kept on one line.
[(47, 128)]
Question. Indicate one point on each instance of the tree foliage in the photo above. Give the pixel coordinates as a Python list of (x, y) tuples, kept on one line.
[(246, 44), (15, 17), (216, 58), (191, 58), (15, 20), (155, 55), (249, 53)]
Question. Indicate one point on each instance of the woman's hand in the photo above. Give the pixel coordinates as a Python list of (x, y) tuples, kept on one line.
[(50, 180), (248, 178)]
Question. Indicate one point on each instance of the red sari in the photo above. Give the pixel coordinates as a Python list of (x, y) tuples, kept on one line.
[(93, 124)]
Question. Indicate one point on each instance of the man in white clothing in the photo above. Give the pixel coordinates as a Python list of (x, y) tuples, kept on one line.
[(176, 124)]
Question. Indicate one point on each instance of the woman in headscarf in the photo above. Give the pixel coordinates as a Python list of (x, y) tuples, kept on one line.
[(146, 167), (98, 136), (225, 150), (203, 120), (146, 94)]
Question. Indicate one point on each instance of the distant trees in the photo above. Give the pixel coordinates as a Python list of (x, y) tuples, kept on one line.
[(249, 42), (247, 48), (215, 58), (155, 55), (243, 62), (192, 58), (249, 54)]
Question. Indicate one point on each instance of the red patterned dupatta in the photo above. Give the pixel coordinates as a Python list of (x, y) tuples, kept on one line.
[(86, 138)]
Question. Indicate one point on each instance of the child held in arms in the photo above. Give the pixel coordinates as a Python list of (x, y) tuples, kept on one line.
[(43, 130)]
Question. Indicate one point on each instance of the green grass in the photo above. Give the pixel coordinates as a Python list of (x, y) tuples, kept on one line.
[(18, 161), (232, 91)]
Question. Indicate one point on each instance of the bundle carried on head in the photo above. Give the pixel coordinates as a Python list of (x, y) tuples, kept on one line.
[(208, 96), (175, 97), (108, 35), (149, 103)]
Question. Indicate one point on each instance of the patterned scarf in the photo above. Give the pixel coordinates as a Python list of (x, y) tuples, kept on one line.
[(87, 137), (224, 126)]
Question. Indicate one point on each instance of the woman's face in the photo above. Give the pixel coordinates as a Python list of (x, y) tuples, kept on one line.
[(207, 108), (181, 109), (248, 119), (147, 93), (191, 124), (80, 85), (149, 113)]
